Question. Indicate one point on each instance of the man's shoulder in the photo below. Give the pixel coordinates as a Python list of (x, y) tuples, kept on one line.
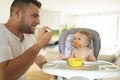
[(2, 25), (2, 29)]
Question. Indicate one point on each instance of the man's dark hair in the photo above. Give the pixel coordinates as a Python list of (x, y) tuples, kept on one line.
[(22, 4)]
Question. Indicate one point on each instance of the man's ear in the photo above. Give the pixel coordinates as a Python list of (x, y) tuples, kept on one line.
[(18, 13)]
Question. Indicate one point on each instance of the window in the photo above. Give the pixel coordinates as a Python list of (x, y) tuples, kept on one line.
[(107, 26)]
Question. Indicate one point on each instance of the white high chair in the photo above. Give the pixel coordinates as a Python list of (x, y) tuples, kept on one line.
[(65, 46)]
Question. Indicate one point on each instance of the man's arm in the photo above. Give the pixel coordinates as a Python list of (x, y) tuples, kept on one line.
[(15, 68), (40, 60)]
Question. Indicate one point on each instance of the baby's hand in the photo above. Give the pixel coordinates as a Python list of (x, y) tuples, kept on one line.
[(91, 58), (61, 56)]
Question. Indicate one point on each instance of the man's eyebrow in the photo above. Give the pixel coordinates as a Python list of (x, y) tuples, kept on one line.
[(36, 15)]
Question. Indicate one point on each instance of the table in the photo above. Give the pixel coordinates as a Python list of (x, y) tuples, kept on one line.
[(91, 70)]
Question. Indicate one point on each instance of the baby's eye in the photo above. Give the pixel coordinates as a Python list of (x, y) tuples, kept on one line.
[(79, 39)]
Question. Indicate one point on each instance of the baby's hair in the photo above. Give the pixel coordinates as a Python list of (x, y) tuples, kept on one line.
[(87, 34)]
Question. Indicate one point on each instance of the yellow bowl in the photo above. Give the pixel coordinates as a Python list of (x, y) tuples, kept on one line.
[(75, 62)]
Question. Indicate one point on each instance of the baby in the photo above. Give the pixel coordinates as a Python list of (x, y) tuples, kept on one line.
[(80, 42)]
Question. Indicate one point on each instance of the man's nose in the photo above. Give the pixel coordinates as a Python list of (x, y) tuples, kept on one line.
[(38, 21)]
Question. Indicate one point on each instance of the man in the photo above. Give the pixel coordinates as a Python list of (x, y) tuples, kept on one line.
[(18, 48)]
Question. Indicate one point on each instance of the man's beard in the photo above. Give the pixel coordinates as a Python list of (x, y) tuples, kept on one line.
[(24, 28)]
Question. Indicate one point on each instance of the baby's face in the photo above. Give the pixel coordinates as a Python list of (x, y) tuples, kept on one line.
[(80, 40)]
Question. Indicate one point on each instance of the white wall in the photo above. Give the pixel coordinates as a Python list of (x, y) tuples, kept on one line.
[(50, 18), (4, 10), (106, 25), (47, 17)]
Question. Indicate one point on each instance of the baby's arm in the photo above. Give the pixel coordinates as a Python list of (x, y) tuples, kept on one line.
[(72, 54), (61, 56), (91, 56)]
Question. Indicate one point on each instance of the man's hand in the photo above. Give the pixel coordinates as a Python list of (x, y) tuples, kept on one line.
[(44, 36)]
